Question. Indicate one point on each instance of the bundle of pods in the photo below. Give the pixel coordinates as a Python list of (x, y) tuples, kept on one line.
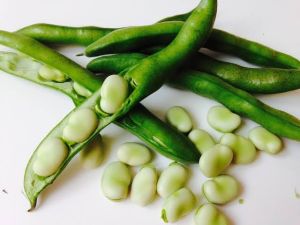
[(141, 60)]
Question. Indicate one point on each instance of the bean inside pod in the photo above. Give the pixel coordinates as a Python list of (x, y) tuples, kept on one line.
[(81, 124), (114, 91), (50, 155)]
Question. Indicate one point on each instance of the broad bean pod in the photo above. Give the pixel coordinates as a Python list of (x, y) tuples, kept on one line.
[(158, 134), (248, 50), (237, 100), (49, 57), (139, 121), (253, 80), (57, 34), (145, 78), (219, 40)]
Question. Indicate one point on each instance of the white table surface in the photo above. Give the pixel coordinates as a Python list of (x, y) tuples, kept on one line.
[(29, 111)]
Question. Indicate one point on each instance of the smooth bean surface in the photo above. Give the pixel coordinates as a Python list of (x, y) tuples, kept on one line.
[(114, 91), (208, 214), (221, 119), (221, 189), (81, 124), (243, 149), (265, 140), (134, 154), (115, 181), (178, 205), (201, 139), (50, 155), (143, 188), (171, 179), (215, 160), (179, 118)]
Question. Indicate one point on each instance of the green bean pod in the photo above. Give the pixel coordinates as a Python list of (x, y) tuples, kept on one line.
[(250, 51), (136, 38), (49, 57), (150, 74), (219, 40), (9, 63), (57, 34), (240, 102), (253, 80), (122, 39), (237, 100), (113, 64), (139, 121), (143, 79)]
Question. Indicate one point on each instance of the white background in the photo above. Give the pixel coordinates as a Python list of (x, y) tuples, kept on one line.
[(29, 111)]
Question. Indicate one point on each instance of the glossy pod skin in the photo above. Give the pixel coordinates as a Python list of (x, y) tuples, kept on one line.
[(253, 80), (144, 80), (250, 51), (237, 100), (111, 64), (54, 34), (121, 40), (136, 38)]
